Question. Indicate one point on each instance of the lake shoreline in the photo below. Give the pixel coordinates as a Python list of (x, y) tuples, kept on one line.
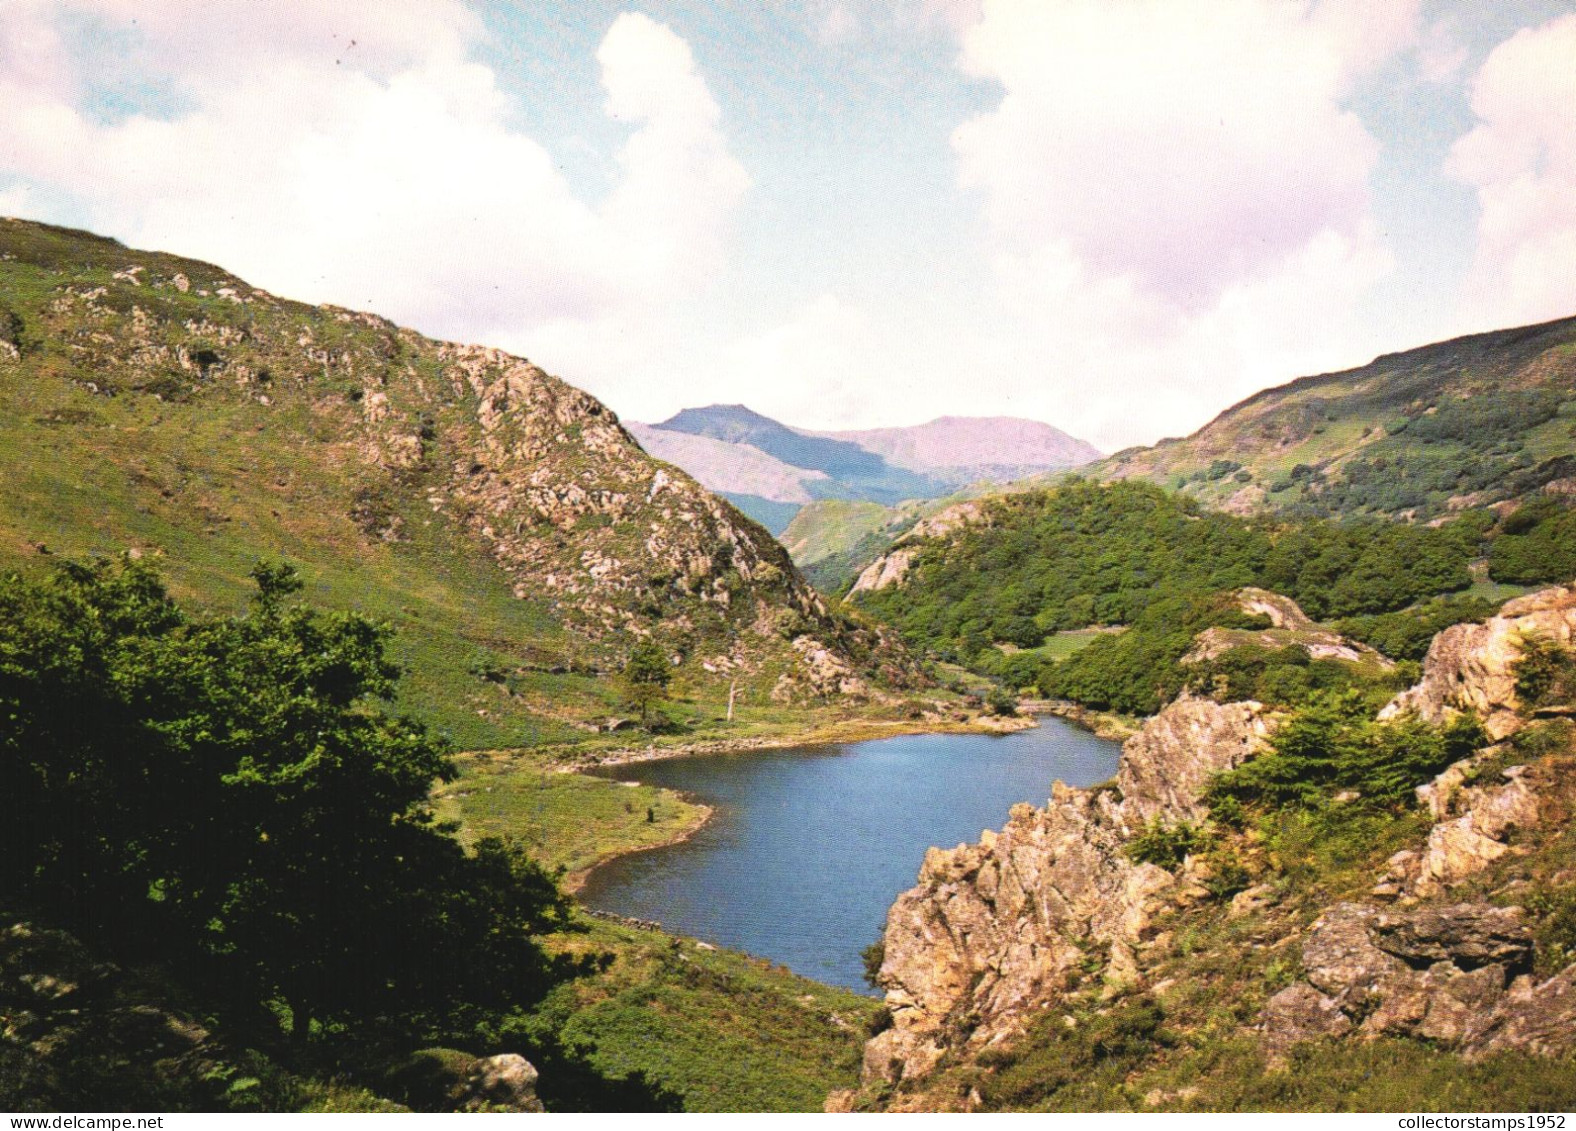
[(810, 845), (852, 730), (1098, 723), (574, 882), (825, 735), (1101, 724)]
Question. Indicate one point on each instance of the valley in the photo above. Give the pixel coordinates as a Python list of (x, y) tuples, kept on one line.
[(340, 592)]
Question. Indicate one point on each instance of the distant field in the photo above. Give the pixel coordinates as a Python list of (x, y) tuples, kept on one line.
[(1499, 592), (1058, 646)]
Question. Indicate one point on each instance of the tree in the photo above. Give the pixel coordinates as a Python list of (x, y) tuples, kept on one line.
[(646, 677), (229, 789)]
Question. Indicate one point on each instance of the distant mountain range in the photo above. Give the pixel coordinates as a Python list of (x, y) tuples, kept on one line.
[(770, 470)]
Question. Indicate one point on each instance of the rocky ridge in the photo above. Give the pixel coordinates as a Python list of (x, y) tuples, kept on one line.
[(998, 931), (1289, 626), (997, 927), (1356, 441), (892, 566), (536, 475)]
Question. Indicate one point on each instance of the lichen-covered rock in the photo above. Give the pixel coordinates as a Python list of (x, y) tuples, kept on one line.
[(995, 927), (1533, 1017), (1471, 667), (1464, 934), (503, 1083), (1443, 973), (1341, 960), (1301, 1013)]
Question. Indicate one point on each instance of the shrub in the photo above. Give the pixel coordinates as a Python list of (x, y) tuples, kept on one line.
[(1545, 672), (1000, 701), (1332, 745), (1167, 845), (1051, 1058)]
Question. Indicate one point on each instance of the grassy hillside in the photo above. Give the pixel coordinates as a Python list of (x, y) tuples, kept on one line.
[(1420, 433), (715, 1029), (504, 523)]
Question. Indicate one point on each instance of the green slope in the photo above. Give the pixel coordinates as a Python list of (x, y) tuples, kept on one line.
[(1461, 423), (503, 522)]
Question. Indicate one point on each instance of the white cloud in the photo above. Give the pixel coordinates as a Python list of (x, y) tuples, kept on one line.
[(1186, 144), (1178, 194), (1441, 52), (1521, 158), (353, 153)]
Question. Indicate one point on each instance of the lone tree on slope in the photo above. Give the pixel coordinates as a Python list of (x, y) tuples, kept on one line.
[(646, 677)]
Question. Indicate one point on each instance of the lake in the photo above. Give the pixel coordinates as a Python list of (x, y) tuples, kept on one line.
[(809, 846)]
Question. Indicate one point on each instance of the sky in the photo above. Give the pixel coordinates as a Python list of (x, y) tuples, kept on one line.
[(1116, 216)]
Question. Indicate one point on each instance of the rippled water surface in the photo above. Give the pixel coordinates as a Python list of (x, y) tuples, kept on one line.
[(810, 846)]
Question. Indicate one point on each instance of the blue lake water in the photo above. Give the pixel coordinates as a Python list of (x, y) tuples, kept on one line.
[(809, 846)]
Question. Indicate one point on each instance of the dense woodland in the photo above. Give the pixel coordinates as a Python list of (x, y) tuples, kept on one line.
[(1134, 556)]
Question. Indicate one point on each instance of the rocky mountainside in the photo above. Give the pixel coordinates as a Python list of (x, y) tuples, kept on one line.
[(1420, 433), (1416, 435), (1067, 922), (506, 518)]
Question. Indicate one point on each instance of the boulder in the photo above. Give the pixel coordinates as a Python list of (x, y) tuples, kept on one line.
[(1466, 935), (1301, 1013), (505, 1082)]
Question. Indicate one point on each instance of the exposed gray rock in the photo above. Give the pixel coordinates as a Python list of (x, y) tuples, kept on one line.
[(506, 1082), (1443, 973), (892, 567), (996, 927), (1465, 934), (1537, 1018), (1301, 1013), (1471, 667)]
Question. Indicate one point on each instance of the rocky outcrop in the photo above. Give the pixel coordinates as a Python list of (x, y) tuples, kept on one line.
[(1454, 974), (347, 431), (1166, 766), (1471, 667), (892, 567), (1474, 825), (996, 927), (502, 1083), (1289, 627)]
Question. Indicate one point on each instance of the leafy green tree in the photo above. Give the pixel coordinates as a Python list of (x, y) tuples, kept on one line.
[(646, 676), (230, 787)]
